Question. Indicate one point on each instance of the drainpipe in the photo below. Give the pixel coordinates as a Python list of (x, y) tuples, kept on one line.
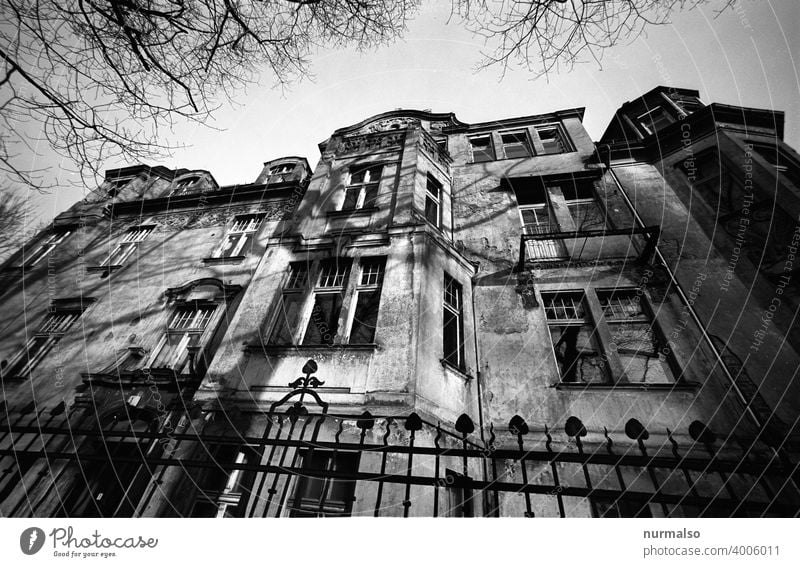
[(717, 355)]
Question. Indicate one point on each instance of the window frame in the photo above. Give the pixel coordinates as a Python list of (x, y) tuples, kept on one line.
[(525, 143), (363, 188), (563, 138), (435, 200), (595, 317), (191, 337), (127, 244), (490, 153), (457, 312), (650, 127), (241, 235), (23, 362), (49, 242), (298, 508), (289, 329)]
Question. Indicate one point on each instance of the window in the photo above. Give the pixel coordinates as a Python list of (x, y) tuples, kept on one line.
[(54, 326), (324, 322), (224, 490), (575, 331), (716, 182), (185, 185), (318, 496), (281, 169), (654, 120), (368, 298), (583, 205), (632, 331), (116, 185), (127, 245), (43, 248), (433, 199), (289, 312), (239, 239), (573, 336), (516, 144), (481, 148), (442, 143), (310, 314), (453, 324), (553, 139), (785, 166), (362, 190), (179, 347), (460, 499), (537, 218)]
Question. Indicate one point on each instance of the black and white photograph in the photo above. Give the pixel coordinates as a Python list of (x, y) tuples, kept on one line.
[(517, 271)]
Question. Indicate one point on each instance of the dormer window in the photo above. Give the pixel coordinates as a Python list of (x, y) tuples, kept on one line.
[(654, 120), (185, 185), (116, 185)]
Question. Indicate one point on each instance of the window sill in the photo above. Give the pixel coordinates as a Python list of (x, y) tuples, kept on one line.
[(366, 211), (226, 260), (282, 349), (674, 387), (461, 372)]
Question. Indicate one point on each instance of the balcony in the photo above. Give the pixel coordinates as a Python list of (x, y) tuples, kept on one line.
[(558, 248)]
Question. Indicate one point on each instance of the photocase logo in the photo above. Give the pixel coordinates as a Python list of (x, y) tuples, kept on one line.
[(31, 541)]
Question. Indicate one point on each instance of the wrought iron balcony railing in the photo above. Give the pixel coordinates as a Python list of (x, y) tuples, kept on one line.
[(582, 246)]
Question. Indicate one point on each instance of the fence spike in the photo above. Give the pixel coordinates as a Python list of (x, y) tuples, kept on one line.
[(636, 431), (518, 426), (464, 425), (366, 421), (574, 427), (413, 422)]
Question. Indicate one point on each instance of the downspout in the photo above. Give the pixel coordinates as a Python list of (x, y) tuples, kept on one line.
[(717, 355)]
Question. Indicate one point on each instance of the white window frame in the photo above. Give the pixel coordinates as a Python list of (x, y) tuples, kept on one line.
[(202, 320), (52, 329), (44, 248), (369, 281), (244, 227), (436, 199), (363, 187), (127, 244)]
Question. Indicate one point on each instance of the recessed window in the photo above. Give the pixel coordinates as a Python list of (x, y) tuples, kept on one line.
[(367, 301), (583, 205), (516, 144), (179, 347), (239, 239), (635, 348), (50, 332), (637, 343), (654, 120), (453, 324), (785, 166), (319, 495), (310, 314), (41, 249), (224, 488), (185, 185), (553, 139), (481, 148), (362, 188), (127, 245), (537, 217), (433, 201)]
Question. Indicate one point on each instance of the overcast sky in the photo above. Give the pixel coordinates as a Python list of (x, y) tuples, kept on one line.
[(743, 57)]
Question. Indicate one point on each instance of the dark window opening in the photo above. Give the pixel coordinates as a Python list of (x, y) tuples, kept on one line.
[(316, 495), (452, 324), (516, 145), (481, 149)]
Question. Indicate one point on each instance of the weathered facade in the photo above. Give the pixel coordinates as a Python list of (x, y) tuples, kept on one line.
[(504, 318)]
